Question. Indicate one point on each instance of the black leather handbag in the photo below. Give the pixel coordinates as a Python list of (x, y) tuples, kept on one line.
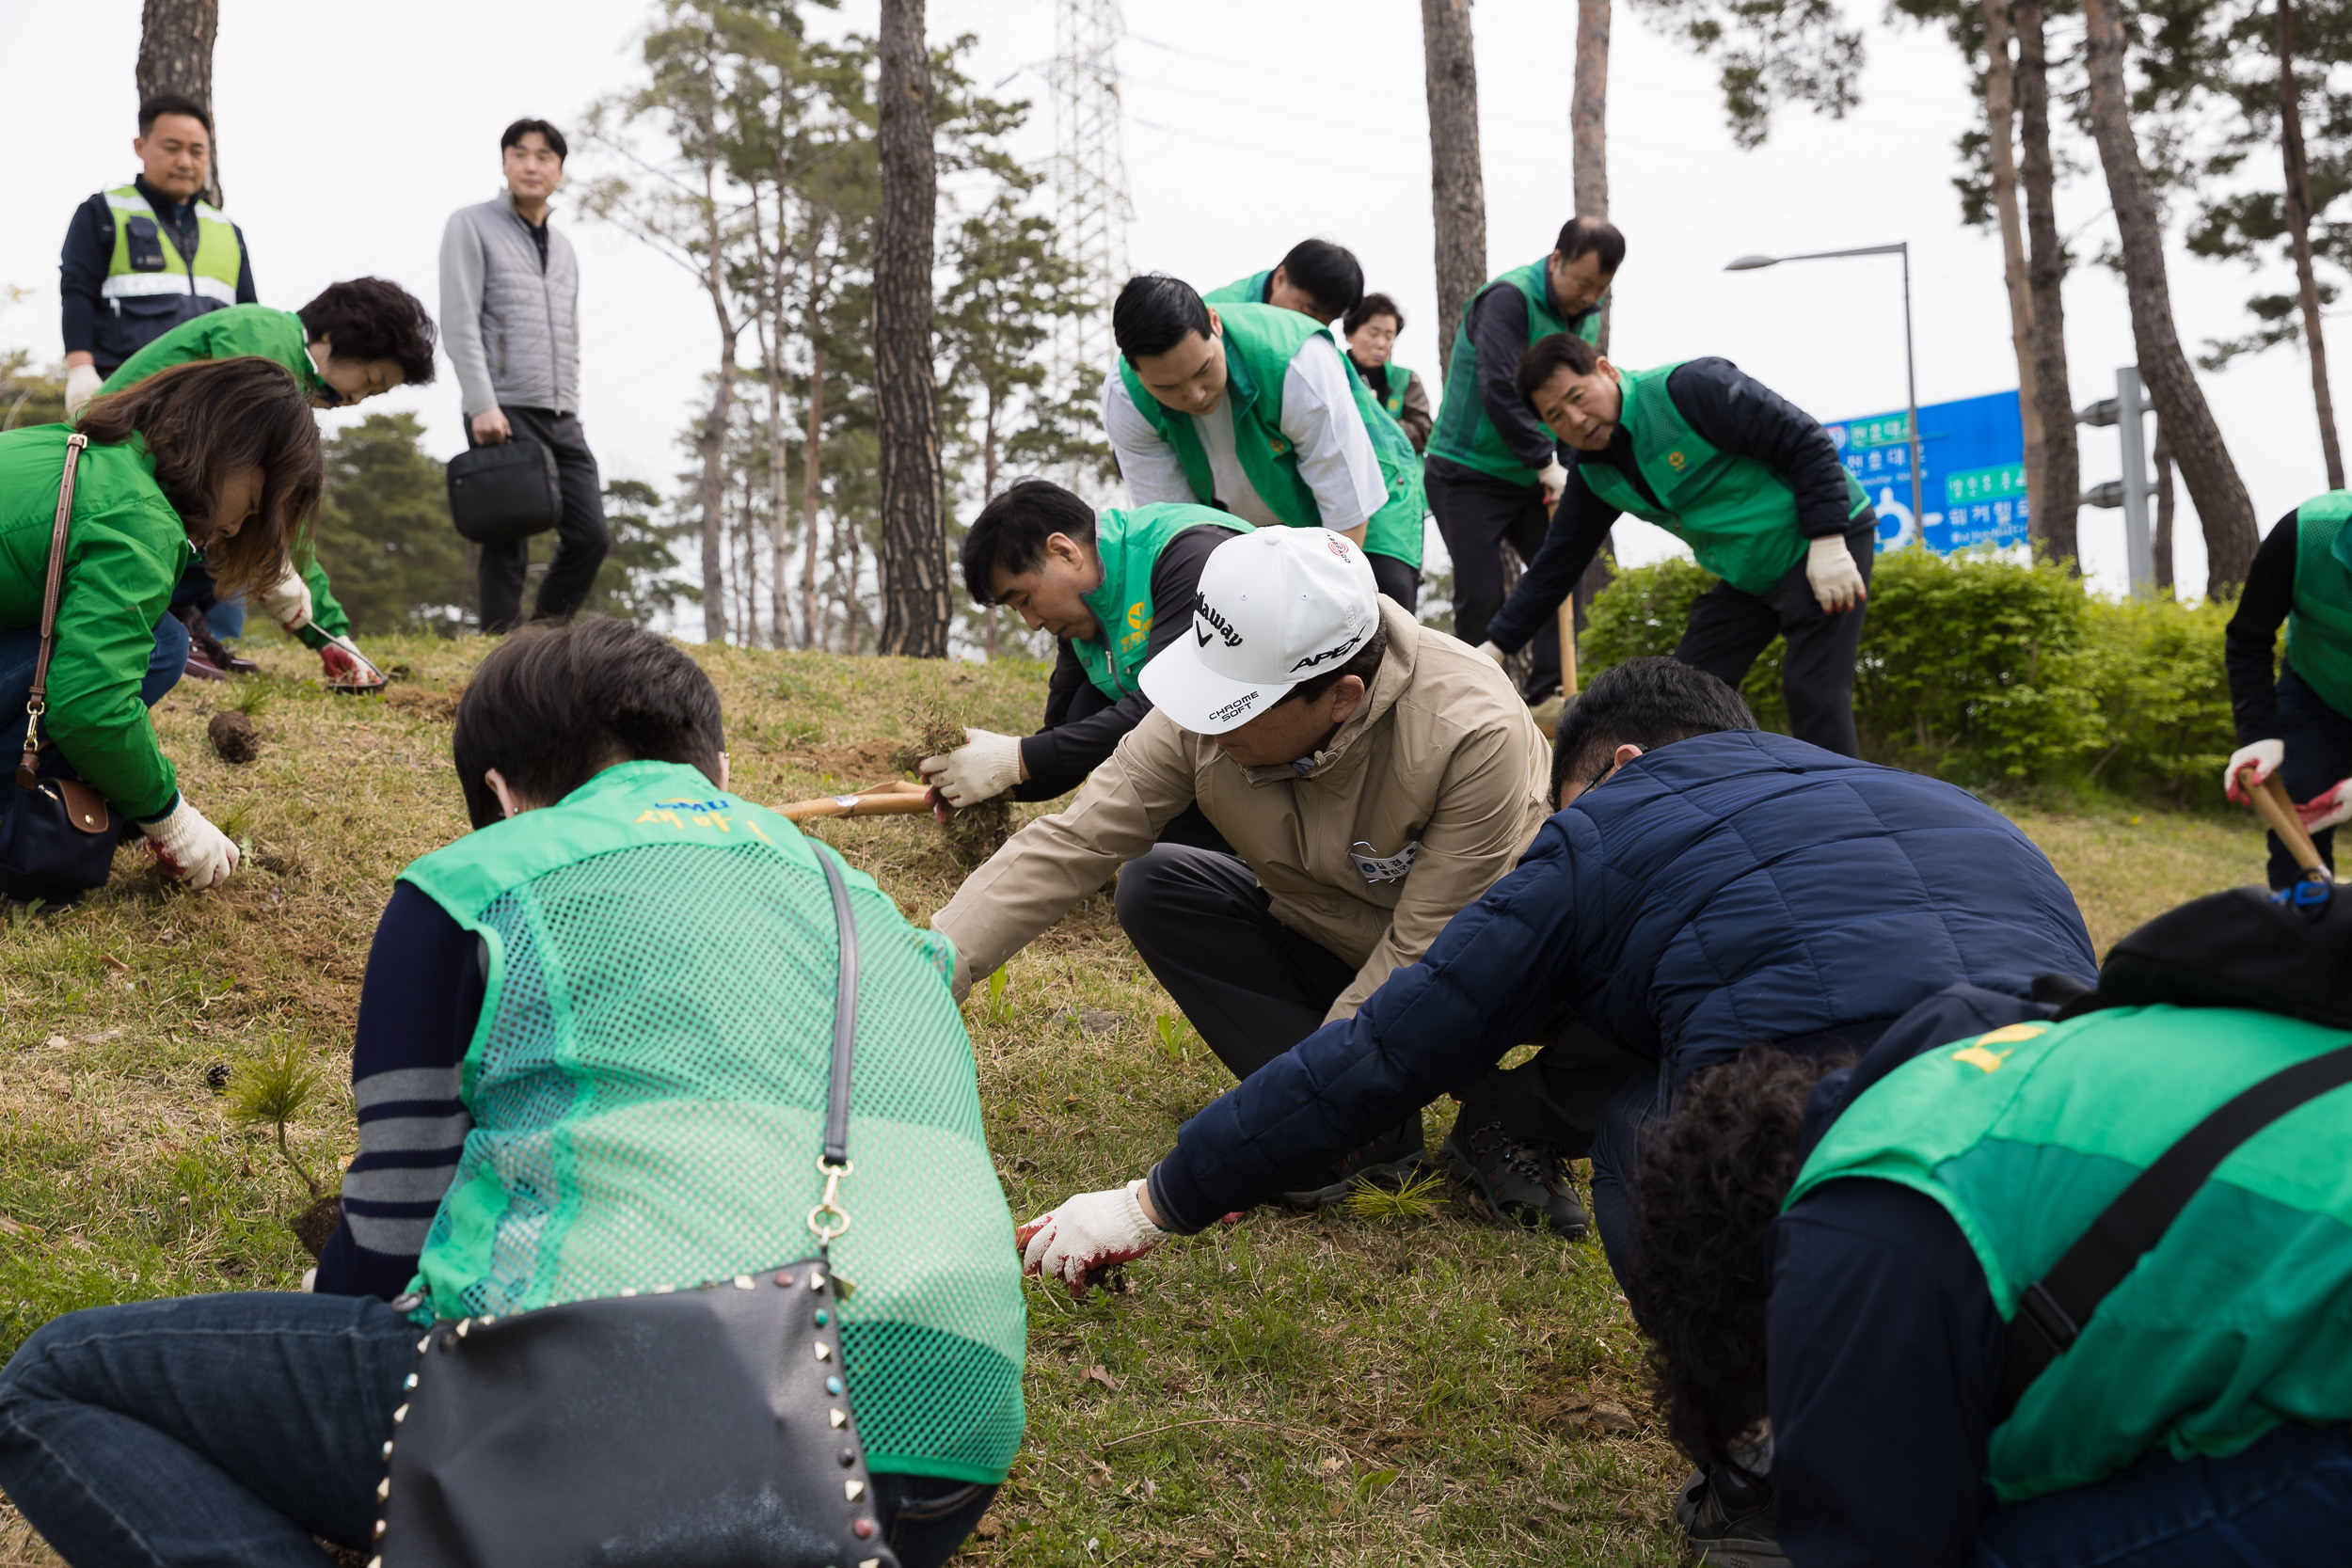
[(57, 834), (498, 495), (708, 1427)]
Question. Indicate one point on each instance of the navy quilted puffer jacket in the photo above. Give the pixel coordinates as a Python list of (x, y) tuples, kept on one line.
[(1723, 890)]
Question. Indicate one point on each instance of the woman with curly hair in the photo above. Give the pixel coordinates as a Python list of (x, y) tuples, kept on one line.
[(217, 460)]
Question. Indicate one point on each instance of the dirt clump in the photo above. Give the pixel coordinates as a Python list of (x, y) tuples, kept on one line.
[(977, 832), (234, 737)]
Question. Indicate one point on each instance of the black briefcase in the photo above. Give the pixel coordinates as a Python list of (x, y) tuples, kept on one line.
[(498, 495)]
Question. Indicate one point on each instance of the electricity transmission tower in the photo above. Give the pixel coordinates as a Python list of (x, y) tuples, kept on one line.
[(1090, 207)]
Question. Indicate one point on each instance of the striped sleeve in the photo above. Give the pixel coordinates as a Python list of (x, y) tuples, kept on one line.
[(418, 1008)]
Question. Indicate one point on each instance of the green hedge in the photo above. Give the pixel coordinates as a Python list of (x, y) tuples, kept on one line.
[(1989, 674)]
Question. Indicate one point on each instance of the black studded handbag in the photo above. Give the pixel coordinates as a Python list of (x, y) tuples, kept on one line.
[(700, 1428)]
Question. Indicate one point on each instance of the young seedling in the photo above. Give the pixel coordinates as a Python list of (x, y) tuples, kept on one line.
[(1420, 1198), (1175, 1032), (996, 1009), (271, 1090)]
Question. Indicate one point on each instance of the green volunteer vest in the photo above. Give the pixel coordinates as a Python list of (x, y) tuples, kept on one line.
[(2319, 631), (1736, 515), (1393, 401), (1464, 434), (211, 273), (2239, 1320), (1243, 291), (647, 1089), (1261, 341), (239, 331), (1129, 543)]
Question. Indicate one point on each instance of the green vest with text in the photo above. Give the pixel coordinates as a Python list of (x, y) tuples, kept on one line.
[(647, 1089), (1261, 341), (2319, 631), (1736, 515), (2240, 1318), (1464, 434), (1129, 543)]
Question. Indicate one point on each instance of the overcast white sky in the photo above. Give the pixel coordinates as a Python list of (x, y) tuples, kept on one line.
[(349, 132)]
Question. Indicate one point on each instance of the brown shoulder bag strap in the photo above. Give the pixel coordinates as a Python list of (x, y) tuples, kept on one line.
[(37, 703)]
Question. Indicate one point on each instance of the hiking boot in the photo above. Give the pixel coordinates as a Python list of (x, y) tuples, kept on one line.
[(1525, 1184), (202, 669), (1729, 1521), (1390, 1160), (214, 651)]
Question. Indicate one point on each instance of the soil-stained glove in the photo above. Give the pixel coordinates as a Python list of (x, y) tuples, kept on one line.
[(985, 766), (347, 668), (1836, 581), (287, 601), (2332, 808), (1554, 478), (191, 849), (1492, 652), (81, 385), (1086, 1235), (2261, 759)]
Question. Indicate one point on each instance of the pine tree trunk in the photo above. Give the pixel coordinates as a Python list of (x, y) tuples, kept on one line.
[(1588, 129), (2001, 112), (2161, 459), (176, 57), (712, 446), (2053, 520), (2214, 487), (916, 603), (1458, 190), (811, 451), (2299, 216)]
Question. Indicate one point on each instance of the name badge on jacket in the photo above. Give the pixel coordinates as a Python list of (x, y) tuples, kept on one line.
[(1378, 867)]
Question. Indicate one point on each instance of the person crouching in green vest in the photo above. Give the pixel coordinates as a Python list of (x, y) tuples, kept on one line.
[(1493, 474), (1249, 409), (1318, 279), (2299, 726), (1113, 591), (628, 964), (355, 340), (1371, 329), (2026, 1286), (1748, 480)]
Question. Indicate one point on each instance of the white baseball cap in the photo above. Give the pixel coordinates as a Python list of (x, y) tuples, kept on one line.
[(1275, 608)]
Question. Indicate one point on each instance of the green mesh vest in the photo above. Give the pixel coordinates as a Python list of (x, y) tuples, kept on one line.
[(1129, 543), (2239, 1320), (1734, 512), (647, 1091), (1464, 434), (1261, 341), (2319, 632)]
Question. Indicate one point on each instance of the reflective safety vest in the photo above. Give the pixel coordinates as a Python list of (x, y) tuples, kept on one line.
[(151, 286), (2319, 630)]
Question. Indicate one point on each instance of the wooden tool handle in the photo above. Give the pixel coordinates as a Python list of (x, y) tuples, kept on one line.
[(2278, 810), (892, 800), (1567, 646)]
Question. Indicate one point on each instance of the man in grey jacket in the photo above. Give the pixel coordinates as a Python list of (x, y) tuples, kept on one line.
[(509, 317)]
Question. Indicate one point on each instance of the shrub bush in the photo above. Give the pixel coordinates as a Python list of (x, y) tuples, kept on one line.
[(1989, 672)]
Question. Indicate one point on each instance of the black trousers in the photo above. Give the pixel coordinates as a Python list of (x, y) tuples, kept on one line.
[(2319, 752), (1398, 578), (1728, 628), (580, 536), (1478, 516)]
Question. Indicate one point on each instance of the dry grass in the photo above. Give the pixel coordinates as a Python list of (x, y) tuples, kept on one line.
[(1428, 1391)]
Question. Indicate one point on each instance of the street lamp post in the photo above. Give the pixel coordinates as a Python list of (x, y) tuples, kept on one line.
[(1910, 380)]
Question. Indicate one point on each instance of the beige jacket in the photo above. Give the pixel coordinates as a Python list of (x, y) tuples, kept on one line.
[(1441, 755)]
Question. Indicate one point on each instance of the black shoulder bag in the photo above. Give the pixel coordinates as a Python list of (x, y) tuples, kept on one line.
[(705, 1428), (57, 834), (500, 494)]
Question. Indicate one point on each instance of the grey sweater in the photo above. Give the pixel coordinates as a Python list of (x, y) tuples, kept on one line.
[(510, 325)]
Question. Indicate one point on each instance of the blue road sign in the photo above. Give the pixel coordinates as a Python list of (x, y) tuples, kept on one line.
[(1972, 472)]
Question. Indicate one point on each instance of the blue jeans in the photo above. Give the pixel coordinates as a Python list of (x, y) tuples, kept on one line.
[(215, 1431), (1616, 1143), (2286, 1500), (20, 651), (2319, 752)]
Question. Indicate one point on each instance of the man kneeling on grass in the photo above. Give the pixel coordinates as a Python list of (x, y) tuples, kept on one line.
[(593, 1058)]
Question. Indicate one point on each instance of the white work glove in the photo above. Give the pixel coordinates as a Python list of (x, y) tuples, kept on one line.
[(287, 601), (2330, 809), (1087, 1234), (2262, 758), (1836, 581), (347, 666), (1492, 652), (191, 849), (986, 765), (1554, 478), (81, 385)]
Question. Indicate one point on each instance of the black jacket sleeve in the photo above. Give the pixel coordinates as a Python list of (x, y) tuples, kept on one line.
[(245, 270), (1498, 329), (2249, 647), (1579, 526), (89, 243), (1059, 757), (1737, 413)]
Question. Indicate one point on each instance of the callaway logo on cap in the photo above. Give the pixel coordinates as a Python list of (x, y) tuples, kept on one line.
[(1275, 608)]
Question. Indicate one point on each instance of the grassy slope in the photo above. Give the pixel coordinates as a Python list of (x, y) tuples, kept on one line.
[(1322, 1390)]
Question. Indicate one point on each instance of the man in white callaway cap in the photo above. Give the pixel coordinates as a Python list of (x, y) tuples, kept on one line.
[(1373, 779)]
